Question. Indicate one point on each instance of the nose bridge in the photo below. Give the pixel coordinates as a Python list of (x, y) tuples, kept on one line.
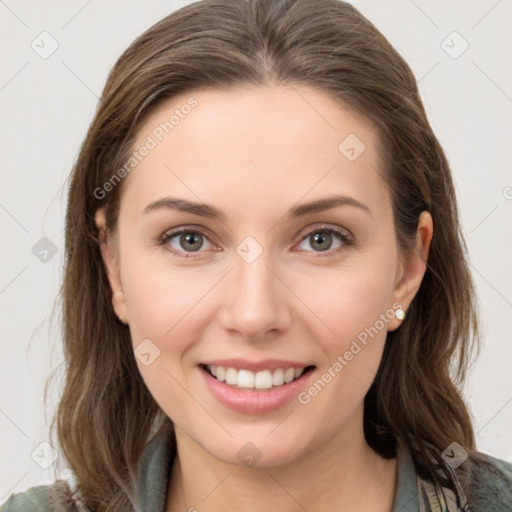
[(255, 303)]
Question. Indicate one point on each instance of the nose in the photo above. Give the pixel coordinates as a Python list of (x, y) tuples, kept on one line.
[(256, 303)]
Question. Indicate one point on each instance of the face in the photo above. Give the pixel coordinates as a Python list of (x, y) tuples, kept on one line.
[(266, 285)]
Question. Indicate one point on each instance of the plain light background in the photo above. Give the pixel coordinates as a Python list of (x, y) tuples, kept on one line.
[(47, 104)]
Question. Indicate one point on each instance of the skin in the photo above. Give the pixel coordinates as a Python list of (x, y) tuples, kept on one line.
[(254, 153)]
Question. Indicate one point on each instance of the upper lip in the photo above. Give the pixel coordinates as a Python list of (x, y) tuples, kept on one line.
[(256, 366)]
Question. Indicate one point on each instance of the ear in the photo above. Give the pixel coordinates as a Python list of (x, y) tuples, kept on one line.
[(112, 267), (411, 268)]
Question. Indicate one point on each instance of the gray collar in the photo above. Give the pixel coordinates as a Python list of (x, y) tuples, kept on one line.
[(406, 496)]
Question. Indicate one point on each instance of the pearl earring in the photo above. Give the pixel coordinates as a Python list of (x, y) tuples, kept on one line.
[(400, 314)]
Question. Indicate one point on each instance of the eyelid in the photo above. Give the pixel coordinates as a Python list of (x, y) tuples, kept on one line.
[(325, 227)]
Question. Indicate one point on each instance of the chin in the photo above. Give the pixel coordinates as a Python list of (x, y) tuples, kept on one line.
[(257, 449)]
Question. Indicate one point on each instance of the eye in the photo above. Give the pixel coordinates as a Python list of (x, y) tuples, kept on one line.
[(183, 242), (322, 239), (187, 240)]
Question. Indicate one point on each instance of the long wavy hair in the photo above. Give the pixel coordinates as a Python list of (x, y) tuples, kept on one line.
[(106, 414)]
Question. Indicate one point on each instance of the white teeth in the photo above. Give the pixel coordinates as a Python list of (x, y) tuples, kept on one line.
[(264, 379), (289, 374), (278, 377), (221, 373), (231, 376), (245, 379)]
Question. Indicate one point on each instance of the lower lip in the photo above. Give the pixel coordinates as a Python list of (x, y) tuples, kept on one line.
[(252, 401)]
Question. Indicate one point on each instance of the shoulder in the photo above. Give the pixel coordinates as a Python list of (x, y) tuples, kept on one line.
[(47, 498), (488, 483), (35, 498)]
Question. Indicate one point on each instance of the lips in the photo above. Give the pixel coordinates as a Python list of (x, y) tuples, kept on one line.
[(251, 392)]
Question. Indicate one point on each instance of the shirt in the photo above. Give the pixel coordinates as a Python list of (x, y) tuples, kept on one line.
[(488, 488)]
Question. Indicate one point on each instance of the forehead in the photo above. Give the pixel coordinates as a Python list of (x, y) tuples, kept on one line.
[(274, 143)]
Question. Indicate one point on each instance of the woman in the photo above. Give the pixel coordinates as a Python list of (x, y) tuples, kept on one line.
[(265, 281)]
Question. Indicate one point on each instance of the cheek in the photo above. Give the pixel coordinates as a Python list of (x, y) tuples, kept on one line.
[(160, 304), (355, 308), (352, 360), (349, 302), (161, 318)]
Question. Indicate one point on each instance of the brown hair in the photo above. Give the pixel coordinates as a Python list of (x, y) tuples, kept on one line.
[(106, 414)]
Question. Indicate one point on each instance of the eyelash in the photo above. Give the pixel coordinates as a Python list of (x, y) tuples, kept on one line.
[(347, 241)]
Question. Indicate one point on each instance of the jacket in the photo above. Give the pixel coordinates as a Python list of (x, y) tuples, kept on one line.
[(486, 487)]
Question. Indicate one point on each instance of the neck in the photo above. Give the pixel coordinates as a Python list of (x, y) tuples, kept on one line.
[(344, 474)]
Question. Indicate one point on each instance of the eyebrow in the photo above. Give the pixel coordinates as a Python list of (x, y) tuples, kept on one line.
[(208, 211)]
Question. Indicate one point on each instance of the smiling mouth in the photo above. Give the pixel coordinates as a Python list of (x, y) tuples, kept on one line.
[(258, 381)]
